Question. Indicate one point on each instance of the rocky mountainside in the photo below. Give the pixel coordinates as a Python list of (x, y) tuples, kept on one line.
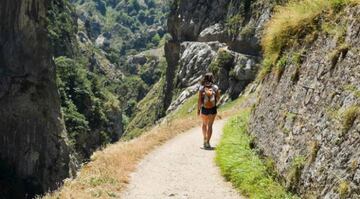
[(307, 119), (222, 37), (76, 75), (34, 153), (103, 71), (214, 36), (54, 119), (122, 40)]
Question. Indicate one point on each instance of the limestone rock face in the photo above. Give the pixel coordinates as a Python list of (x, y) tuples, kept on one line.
[(199, 29), (189, 17), (194, 61), (215, 32), (33, 150), (311, 113)]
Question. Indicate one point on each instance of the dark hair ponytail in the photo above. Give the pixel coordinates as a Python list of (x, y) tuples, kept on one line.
[(208, 78)]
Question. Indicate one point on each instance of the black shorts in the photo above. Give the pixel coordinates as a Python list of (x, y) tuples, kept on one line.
[(208, 111)]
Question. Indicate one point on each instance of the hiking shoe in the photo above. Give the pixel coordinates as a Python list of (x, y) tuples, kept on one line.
[(207, 145)]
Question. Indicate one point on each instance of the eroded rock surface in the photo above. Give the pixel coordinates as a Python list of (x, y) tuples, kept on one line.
[(199, 29), (33, 152), (308, 116)]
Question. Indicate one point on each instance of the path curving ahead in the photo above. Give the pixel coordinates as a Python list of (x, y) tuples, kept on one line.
[(181, 169)]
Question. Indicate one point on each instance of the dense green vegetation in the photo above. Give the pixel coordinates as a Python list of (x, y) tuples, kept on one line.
[(295, 23), (89, 109), (241, 165), (99, 91), (129, 27), (62, 28), (132, 25)]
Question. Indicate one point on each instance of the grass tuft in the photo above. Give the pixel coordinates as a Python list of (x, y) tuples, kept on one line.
[(314, 149), (343, 189), (297, 60), (294, 172), (242, 166), (349, 116), (352, 89), (334, 56), (280, 67)]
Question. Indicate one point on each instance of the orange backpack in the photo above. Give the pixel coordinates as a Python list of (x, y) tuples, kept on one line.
[(209, 97)]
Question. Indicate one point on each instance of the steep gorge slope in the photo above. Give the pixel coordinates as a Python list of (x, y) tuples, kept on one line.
[(34, 155), (129, 35), (215, 36), (102, 71), (307, 119), (84, 77)]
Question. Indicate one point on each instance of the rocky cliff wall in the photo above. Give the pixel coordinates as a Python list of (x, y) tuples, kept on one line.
[(217, 36), (307, 119), (213, 36), (33, 154)]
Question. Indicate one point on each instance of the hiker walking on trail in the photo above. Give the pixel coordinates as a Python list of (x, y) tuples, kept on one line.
[(209, 95)]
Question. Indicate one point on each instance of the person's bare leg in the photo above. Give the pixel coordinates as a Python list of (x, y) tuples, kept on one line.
[(204, 127), (209, 127), (204, 130)]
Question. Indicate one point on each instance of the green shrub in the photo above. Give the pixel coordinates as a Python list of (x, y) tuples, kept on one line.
[(233, 23), (247, 31), (156, 39), (224, 59), (75, 122)]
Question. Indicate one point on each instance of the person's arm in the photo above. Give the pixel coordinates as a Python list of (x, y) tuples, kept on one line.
[(199, 103), (218, 95)]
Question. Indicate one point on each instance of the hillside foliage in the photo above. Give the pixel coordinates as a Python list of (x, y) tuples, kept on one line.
[(99, 91)]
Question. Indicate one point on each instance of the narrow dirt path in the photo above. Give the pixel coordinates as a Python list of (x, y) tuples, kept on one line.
[(181, 169)]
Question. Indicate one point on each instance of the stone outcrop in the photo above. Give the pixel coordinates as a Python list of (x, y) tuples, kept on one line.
[(194, 61), (215, 32), (196, 57), (310, 115), (33, 149), (188, 18), (199, 29)]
